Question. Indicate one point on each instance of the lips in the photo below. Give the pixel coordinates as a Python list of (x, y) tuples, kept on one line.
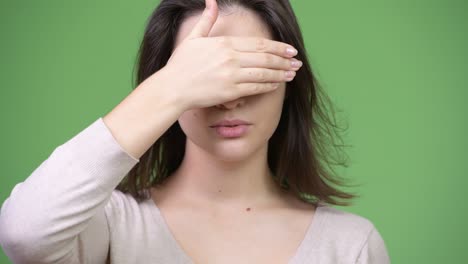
[(231, 132), (230, 123)]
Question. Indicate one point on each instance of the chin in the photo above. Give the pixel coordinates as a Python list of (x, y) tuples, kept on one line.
[(232, 150)]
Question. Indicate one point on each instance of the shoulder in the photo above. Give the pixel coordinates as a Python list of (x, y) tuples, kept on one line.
[(349, 235), (123, 206), (136, 229), (342, 222)]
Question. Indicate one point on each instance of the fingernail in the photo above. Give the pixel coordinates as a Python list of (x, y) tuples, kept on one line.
[(290, 74), (296, 63), (291, 51)]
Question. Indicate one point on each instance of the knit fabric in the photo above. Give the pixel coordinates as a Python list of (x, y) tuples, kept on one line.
[(68, 211)]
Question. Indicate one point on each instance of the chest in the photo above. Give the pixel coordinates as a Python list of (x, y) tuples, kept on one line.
[(252, 237)]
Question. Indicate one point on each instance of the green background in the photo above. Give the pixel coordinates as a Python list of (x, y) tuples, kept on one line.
[(396, 69)]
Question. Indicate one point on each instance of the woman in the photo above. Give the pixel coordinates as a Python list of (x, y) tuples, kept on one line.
[(213, 158)]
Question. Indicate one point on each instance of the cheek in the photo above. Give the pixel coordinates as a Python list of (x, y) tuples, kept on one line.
[(270, 104), (276, 97), (273, 115), (268, 114), (192, 123)]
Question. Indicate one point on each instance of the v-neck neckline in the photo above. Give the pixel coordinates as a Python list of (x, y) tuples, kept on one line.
[(310, 240)]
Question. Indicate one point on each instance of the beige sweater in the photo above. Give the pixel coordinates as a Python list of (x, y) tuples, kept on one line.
[(68, 211)]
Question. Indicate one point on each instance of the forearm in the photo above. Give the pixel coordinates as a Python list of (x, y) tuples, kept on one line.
[(144, 115), (45, 213)]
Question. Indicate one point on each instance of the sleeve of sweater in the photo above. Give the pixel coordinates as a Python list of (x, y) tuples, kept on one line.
[(56, 215), (374, 250)]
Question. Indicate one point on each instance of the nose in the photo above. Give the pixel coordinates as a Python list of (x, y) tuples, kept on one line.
[(232, 104)]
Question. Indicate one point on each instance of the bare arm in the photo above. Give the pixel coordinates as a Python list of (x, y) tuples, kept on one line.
[(44, 215), (144, 115)]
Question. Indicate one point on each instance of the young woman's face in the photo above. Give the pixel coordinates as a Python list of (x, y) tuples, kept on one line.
[(263, 111)]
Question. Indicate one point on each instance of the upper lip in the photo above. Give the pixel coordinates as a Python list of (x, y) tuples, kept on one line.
[(234, 122)]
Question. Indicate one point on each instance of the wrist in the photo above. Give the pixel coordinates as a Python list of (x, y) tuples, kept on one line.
[(160, 86)]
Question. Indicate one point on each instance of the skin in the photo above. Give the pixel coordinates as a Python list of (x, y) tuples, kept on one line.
[(217, 171), (224, 186)]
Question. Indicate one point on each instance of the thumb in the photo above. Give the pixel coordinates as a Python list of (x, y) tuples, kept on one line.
[(206, 22)]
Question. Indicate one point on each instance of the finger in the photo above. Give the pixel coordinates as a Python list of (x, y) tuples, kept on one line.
[(206, 22), (261, 75), (247, 89), (267, 60), (256, 44)]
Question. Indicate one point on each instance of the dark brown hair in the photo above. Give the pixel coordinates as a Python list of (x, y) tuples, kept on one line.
[(301, 152)]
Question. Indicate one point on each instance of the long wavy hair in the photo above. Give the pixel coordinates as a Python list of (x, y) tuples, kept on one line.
[(303, 149)]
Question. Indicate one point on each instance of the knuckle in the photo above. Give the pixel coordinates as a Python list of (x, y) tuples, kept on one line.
[(225, 74), (220, 40), (287, 64), (256, 88), (281, 75), (260, 44), (227, 58), (230, 57), (261, 76), (224, 40), (268, 59)]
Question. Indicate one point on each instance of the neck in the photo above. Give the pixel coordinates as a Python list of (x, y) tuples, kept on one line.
[(210, 180)]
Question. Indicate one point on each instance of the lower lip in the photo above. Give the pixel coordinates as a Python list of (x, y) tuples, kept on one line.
[(231, 132)]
